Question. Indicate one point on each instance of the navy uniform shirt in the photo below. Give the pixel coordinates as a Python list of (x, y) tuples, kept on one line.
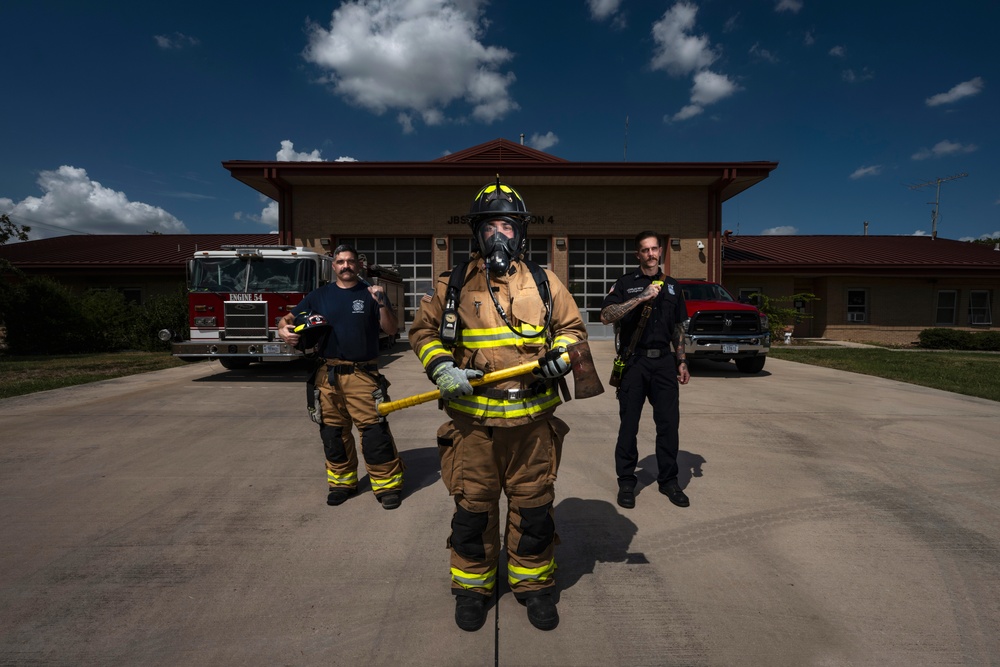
[(354, 319), (668, 310)]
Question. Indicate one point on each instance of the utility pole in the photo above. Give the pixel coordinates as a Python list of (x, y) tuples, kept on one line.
[(937, 197)]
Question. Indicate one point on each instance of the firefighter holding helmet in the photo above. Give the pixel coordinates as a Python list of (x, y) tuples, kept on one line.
[(342, 319), (495, 312)]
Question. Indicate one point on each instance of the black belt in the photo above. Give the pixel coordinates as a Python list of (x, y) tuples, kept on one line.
[(511, 394), (653, 352), (347, 369)]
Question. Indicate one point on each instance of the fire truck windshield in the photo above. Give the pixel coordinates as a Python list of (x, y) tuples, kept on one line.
[(267, 274)]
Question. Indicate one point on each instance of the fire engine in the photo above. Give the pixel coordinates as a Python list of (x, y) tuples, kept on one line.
[(237, 296)]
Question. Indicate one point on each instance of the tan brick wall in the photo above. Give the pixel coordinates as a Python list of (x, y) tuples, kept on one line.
[(569, 211)]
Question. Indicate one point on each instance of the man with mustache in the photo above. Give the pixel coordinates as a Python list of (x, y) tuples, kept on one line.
[(347, 377)]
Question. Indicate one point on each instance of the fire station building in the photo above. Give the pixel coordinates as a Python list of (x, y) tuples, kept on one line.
[(409, 214)]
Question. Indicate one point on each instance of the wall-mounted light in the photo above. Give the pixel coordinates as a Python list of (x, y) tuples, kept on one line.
[(675, 244), (561, 243), (325, 243), (441, 243)]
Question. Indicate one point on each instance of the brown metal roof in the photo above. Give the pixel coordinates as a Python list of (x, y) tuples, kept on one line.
[(856, 254), (147, 251), (515, 163)]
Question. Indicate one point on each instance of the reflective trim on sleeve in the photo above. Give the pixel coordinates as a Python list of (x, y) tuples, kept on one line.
[(519, 575), (563, 340), (469, 580), (432, 349)]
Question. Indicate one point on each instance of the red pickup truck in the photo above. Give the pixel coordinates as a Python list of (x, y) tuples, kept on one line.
[(721, 328)]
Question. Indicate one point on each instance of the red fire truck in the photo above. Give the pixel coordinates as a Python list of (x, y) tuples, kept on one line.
[(237, 296)]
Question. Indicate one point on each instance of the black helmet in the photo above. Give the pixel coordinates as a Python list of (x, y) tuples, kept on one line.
[(312, 329), (498, 201)]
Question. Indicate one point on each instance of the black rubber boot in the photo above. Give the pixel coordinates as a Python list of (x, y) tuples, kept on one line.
[(542, 612), (338, 496), (470, 612)]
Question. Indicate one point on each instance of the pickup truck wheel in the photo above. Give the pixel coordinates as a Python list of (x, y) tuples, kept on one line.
[(234, 363), (751, 364)]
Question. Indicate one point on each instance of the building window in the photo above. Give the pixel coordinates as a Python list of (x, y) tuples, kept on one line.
[(979, 307), (537, 250), (594, 266), (947, 307), (750, 295), (412, 256), (857, 305)]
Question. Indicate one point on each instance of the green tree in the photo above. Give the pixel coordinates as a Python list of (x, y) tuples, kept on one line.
[(779, 315), (10, 229)]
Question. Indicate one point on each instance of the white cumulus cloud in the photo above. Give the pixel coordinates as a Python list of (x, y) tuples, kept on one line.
[(287, 153), (676, 51), (74, 202), (175, 41), (543, 141), (861, 172), (957, 92), (417, 57), (944, 148), (792, 6), (602, 9), (786, 230)]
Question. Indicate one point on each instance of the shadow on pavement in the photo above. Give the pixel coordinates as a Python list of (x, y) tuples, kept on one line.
[(591, 531), (688, 465)]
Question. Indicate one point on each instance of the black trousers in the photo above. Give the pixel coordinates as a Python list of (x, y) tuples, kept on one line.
[(655, 379)]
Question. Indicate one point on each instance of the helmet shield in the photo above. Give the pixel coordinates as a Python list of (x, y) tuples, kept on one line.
[(499, 222), (312, 329)]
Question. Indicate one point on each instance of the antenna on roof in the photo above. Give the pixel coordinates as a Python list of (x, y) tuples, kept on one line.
[(937, 198), (625, 154)]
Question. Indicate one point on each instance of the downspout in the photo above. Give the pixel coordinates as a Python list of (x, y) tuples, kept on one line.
[(715, 223), (284, 205)]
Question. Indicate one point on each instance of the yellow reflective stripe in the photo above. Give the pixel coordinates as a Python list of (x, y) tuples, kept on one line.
[(347, 479), (379, 484), (517, 575), (502, 336), (473, 580), (481, 406), (563, 340), (431, 350)]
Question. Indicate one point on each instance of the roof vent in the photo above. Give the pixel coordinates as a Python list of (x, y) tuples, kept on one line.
[(996, 247)]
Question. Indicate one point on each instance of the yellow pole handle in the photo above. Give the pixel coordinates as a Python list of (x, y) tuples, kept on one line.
[(495, 376)]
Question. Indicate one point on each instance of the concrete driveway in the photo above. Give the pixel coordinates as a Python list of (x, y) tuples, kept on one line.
[(179, 518)]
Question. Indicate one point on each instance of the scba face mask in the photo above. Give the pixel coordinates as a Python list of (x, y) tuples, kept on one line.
[(498, 249)]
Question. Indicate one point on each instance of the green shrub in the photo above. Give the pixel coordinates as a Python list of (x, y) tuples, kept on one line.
[(168, 311), (988, 341), (957, 339)]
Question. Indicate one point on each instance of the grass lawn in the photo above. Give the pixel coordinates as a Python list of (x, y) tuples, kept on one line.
[(969, 373), (26, 375)]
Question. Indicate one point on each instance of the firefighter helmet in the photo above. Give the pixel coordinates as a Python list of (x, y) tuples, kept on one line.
[(498, 202), (312, 329)]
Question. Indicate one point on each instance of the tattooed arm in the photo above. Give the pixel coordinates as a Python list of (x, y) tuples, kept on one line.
[(682, 367), (616, 311)]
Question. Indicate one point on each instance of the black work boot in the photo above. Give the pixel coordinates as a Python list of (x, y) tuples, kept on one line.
[(338, 496), (391, 500), (626, 497), (542, 611), (470, 612)]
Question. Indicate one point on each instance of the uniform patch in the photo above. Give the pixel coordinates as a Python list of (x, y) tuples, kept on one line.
[(633, 290), (670, 288), (359, 306)]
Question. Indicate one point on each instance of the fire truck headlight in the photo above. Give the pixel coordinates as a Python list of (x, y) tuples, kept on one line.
[(166, 335), (204, 321)]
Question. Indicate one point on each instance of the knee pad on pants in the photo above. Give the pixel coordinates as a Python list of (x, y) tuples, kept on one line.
[(467, 530), (376, 444), (333, 443), (537, 530)]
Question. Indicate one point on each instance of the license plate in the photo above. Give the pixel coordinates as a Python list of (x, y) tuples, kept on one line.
[(730, 348), (272, 349)]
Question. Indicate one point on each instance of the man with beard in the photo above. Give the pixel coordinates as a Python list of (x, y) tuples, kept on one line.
[(653, 371), (350, 313)]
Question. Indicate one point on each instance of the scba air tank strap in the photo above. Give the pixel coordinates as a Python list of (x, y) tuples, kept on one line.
[(450, 321)]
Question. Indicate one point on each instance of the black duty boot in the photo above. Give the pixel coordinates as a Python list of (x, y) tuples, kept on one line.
[(391, 500), (672, 490), (338, 496), (470, 612), (542, 611), (626, 497)]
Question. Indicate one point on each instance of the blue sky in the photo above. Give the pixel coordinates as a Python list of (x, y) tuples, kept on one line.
[(118, 115)]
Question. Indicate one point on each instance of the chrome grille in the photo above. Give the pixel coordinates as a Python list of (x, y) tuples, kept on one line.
[(246, 319)]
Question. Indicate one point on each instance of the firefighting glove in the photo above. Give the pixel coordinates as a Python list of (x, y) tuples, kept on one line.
[(552, 365), (454, 382)]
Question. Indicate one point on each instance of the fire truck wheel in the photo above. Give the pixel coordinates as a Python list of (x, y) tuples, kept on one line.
[(234, 363)]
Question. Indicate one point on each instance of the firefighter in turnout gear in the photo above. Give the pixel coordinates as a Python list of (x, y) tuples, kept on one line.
[(348, 379), (495, 312)]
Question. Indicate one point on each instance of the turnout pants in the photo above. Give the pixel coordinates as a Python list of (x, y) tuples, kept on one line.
[(657, 380), (346, 398), (477, 464)]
